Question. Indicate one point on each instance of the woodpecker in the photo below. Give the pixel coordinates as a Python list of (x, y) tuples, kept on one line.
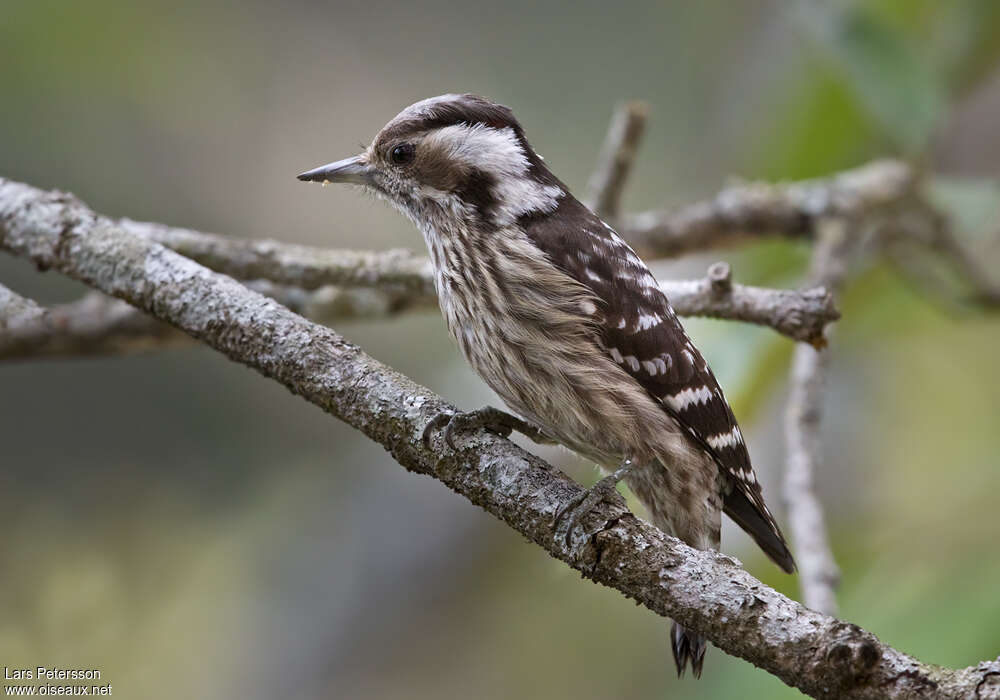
[(563, 320)]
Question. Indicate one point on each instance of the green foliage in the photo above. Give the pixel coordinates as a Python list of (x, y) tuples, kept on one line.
[(883, 68)]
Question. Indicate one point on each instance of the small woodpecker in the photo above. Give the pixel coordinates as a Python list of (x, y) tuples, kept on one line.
[(562, 319)]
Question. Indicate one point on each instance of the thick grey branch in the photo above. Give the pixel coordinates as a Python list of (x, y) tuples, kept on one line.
[(818, 573), (757, 209), (705, 591), (604, 191)]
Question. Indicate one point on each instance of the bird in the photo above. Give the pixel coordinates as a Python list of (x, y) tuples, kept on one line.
[(564, 321)]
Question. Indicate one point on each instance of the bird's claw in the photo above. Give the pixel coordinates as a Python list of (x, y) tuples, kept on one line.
[(492, 419), (605, 490), (441, 419)]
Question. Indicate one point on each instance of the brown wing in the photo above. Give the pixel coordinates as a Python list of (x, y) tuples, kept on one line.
[(642, 334)]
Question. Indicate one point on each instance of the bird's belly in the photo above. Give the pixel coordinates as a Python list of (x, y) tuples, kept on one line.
[(537, 376)]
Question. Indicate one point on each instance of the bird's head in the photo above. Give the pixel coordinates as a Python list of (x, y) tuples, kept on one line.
[(460, 157)]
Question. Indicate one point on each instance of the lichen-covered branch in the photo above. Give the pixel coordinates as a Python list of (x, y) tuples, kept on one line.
[(757, 209), (705, 591), (604, 191)]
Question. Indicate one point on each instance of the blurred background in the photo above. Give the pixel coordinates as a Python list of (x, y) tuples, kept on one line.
[(194, 530)]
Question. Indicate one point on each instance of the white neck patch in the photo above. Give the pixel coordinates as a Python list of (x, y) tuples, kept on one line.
[(499, 153)]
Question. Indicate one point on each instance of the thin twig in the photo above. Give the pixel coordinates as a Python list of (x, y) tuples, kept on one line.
[(16, 311), (818, 573), (293, 265), (604, 191), (97, 324), (801, 315), (93, 325), (705, 591), (757, 209)]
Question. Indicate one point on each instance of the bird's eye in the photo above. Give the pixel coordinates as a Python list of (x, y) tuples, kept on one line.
[(402, 154)]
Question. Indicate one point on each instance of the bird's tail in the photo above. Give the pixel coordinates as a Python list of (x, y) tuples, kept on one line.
[(687, 647)]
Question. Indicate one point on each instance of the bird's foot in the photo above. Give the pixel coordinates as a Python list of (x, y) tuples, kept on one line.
[(492, 419), (604, 490)]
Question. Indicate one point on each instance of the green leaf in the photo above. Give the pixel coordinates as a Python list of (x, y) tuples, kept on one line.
[(885, 71)]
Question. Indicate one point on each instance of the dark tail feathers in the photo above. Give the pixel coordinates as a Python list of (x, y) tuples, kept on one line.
[(687, 646), (761, 528)]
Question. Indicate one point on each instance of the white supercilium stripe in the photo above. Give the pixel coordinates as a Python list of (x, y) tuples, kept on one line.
[(688, 397), (733, 437)]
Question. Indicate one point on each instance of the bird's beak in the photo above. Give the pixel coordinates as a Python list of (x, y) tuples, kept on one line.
[(350, 170)]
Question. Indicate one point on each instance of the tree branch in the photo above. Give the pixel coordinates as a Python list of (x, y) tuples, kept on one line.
[(308, 267), (801, 315), (94, 325), (100, 325), (705, 591), (757, 209), (16, 311), (604, 191), (818, 572)]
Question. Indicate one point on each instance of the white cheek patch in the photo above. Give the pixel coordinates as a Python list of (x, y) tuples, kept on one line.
[(496, 151), (499, 153)]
